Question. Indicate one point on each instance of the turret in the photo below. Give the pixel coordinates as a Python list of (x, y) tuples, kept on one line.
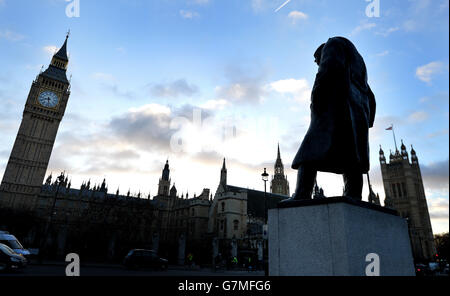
[(279, 168), (173, 191), (166, 172), (382, 157), (404, 152), (223, 174), (414, 158)]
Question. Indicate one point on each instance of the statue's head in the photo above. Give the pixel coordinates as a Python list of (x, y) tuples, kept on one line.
[(318, 54)]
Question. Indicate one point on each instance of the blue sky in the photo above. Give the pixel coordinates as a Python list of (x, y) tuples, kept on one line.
[(139, 67)]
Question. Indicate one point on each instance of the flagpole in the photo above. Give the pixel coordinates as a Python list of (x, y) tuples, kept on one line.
[(395, 141), (393, 133)]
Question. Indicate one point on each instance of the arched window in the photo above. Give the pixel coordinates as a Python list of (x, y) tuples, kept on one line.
[(236, 225)]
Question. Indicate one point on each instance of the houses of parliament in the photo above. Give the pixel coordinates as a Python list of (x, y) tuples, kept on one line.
[(47, 213)]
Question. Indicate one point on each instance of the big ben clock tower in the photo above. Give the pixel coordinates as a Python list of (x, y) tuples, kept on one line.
[(44, 110)]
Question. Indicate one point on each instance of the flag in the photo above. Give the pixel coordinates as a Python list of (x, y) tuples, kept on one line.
[(390, 128)]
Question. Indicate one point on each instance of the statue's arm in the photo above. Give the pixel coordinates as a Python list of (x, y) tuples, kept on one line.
[(372, 107)]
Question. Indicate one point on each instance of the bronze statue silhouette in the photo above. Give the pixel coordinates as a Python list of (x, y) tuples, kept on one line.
[(342, 111)]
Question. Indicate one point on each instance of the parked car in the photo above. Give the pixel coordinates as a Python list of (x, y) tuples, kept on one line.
[(138, 258), (446, 269), (12, 242), (423, 270), (10, 259)]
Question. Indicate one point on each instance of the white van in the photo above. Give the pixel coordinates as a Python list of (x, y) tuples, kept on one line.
[(12, 242)]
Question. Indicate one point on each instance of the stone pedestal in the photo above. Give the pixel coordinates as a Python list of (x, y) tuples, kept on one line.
[(335, 237)]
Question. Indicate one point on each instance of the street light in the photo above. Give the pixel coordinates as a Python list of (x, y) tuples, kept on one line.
[(265, 178)]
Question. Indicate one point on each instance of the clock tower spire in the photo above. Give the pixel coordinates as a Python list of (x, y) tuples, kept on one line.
[(42, 115)]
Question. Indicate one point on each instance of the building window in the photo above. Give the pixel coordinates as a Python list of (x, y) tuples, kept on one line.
[(221, 225), (193, 212), (394, 191), (399, 189), (405, 193), (223, 207), (236, 224)]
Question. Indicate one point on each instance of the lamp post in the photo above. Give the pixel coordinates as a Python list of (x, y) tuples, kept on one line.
[(265, 178), (44, 238)]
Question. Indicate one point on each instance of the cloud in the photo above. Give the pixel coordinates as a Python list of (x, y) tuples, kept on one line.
[(438, 208), (425, 15), (10, 35), (296, 16), (383, 53), (435, 175), (110, 82), (174, 89), (50, 49), (440, 133), (388, 32), (428, 71), (362, 27), (187, 14), (243, 86), (104, 77), (146, 127), (258, 5), (215, 104), (418, 116), (299, 89)]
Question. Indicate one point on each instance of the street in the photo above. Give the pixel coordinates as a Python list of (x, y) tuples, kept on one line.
[(117, 270)]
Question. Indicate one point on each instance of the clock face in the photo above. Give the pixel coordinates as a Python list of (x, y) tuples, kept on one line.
[(48, 99)]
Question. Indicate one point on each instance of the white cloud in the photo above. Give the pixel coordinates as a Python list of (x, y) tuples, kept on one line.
[(173, 89), (50, 49), (104, 77), (187, 14), (297, 16), (10, 35), (426, 72), (215, 104), (388, 31), (383, 53), (299, 89), (258, 5), (363, 27), (418, 116)]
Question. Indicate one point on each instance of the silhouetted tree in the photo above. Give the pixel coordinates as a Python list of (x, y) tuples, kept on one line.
[(442, 245)]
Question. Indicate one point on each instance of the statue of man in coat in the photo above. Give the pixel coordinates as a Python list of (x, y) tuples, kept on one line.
[(342, 111)]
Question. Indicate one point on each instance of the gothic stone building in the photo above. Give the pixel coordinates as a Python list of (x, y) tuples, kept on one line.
[(57, 218), (237, 217), (405, 193)]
